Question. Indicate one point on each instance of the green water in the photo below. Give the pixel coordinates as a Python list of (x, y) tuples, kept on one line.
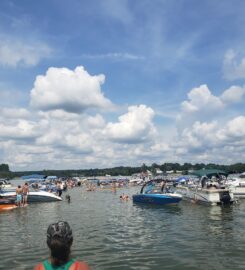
[(110, 234)]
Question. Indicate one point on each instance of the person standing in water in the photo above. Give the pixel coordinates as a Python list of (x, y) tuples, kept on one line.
[(25, 192), (59, 241), (18, 195)]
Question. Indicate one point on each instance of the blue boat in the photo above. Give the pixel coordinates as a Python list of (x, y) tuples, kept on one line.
[(151, 195)]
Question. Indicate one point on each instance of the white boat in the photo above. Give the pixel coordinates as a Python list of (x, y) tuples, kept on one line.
[(35, 196), (210, 196), (237, 185), (206, 189), (4, 183), (136, 181)]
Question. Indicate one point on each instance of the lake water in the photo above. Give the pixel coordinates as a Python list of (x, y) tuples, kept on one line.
[(111, 234)]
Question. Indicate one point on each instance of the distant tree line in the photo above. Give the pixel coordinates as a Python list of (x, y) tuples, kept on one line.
[(125, 171)]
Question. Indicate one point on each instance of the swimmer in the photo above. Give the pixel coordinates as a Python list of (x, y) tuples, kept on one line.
[(59, 241), (124, 197), (68, 198)]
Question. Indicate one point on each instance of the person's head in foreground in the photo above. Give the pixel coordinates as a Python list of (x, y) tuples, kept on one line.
[(59, 241)]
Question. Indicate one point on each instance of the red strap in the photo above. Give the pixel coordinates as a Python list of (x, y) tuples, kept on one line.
[(76, 265), (39, 267)]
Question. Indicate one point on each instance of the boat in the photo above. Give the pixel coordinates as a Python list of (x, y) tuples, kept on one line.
[(7, 204), (205, 189), (35, 196), (5, 186), (237, 185), (151, 193)]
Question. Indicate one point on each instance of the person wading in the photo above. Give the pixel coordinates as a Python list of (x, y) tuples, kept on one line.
[(18, 195), (25, 192)]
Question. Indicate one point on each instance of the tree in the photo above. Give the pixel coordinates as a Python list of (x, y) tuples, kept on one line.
[(144, 168), (4, 168)]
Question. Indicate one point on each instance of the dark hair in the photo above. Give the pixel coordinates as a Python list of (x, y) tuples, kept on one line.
[(59, 240)]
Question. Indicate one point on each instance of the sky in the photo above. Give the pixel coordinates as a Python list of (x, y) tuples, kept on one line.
[(99, 84)]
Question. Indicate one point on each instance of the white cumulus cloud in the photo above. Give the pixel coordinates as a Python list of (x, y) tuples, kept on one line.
[(133, 127), (20, 129), (68, 90), (234, 94), (235, 129), (199, 98)]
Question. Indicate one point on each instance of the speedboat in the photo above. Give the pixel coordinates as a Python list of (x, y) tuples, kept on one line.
[(204, 189), (6, 186), (237, 185), (205, 195), (35, 196), (7, 204), (152, 194)]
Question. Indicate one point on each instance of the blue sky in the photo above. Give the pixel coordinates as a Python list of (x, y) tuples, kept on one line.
[(95, 84)]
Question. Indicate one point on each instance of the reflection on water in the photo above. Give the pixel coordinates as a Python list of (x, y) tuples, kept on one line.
[(220, 221), (111, 234)]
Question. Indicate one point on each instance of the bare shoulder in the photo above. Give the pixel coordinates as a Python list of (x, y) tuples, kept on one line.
[(79, 265)]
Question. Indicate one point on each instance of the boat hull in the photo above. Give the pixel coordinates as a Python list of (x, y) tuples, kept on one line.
[(239, 192), (4, 207), (35, 196), (6, 204), (206, 196), (159, 199)]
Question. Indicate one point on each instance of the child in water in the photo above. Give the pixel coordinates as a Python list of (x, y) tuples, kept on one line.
[(124, 197)]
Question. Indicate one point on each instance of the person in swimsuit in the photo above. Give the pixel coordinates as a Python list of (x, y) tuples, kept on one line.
[(59, 241), (18, 195), (25, 192)]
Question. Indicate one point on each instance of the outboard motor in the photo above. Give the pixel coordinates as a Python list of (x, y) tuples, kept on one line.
[(225, 197)]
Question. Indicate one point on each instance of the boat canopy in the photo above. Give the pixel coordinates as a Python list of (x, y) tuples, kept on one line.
[(33, 176), (209, 173), (182, 179)]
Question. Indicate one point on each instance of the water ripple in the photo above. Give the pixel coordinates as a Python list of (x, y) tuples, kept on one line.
[(110, 234)]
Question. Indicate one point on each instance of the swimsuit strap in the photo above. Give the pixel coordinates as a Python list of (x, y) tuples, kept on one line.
[(48, 266), (76, 265)]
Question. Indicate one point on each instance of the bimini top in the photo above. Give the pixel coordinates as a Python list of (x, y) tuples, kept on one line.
[(150, 185), (209, 173), (33, 176)]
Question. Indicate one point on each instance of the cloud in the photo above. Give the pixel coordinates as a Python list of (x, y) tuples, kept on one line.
[(201, 105), (133, 127), (234, 130), (62, 139), (234, 94), (210, 127), (96, 121), (17, 52), (14, 113), (68, 90), (210, 138), (232, 68), (199, 98), (116, 55), (79, 143), (204, 106), (19, 130)]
